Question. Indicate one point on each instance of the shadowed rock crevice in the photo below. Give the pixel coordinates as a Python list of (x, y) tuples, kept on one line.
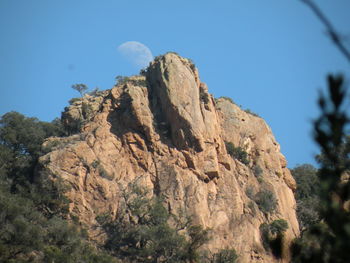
[(160, 123), (131, 114), (122, 119)]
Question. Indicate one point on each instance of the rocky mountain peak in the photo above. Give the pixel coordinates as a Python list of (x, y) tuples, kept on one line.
[(204, 156), (178, 98)]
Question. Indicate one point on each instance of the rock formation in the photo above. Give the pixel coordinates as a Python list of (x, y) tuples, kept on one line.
[(165, 131)]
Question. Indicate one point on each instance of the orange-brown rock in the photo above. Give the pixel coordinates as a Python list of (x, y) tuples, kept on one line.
[(167, 132)]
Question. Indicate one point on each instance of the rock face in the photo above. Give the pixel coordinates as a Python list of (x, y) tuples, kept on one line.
[(165, 131)]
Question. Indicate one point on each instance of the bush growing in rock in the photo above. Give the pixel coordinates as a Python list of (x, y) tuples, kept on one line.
[(249, 191), (272, 235), (225, 256), (266, 201), (227, 98), (95, 92), (137, 82), (73, 100), (258, 172), (251, 113), (237, 152), (96, 164), (121, 80), (278, 226)]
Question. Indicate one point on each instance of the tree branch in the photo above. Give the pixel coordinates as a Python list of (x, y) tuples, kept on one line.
[(330, 28)]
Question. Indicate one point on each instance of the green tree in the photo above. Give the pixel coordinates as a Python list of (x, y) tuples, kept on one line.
[(81, 88), (18, 234), (32, 228), (23, 135), (20, 144), (307, 194), (307, 180), (120, 80)]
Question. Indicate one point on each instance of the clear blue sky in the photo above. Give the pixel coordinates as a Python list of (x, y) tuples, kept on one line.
[(270, 56)]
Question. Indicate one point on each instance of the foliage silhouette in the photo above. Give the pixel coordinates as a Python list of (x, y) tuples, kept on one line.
[(332, 232), (337, 40), (81, 88), (307, 194), (328, 241)]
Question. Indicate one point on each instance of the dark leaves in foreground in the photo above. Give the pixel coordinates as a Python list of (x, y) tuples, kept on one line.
[(328, 241)]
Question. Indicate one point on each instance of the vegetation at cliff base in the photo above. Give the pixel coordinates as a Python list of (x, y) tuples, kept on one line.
[(33, 211), (307, 195), (148, 237), (328, 239)]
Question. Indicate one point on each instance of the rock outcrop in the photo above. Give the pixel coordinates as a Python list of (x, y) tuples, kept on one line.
[(165, 131)]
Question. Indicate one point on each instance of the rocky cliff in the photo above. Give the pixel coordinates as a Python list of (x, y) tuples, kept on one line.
[(165, 131)]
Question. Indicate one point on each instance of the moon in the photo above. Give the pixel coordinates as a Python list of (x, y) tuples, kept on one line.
[(136, 53)]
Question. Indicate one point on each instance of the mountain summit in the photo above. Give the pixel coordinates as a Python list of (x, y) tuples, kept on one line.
[(205, 157)]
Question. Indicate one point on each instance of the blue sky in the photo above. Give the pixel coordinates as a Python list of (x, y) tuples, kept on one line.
[(270, 56)]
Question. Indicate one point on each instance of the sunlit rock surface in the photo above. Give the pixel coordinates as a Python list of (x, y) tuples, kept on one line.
[(165, 131)]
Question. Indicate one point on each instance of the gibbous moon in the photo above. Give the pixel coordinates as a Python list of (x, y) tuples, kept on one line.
[(137, 53)]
